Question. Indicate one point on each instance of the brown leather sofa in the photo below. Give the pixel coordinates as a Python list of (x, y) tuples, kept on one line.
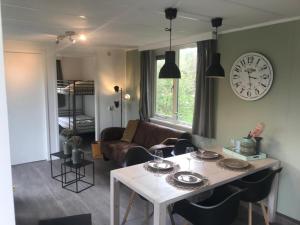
[(148, 135)]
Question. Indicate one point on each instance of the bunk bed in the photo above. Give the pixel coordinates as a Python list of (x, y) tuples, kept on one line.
[(72, 116)]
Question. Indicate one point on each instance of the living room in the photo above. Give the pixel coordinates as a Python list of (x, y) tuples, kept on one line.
[(123, 44)]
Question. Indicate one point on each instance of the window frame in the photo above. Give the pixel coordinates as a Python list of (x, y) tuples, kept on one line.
[(159, 55)]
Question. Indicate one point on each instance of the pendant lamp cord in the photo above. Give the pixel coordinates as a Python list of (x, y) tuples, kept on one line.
[(216, 39), (170, 33)]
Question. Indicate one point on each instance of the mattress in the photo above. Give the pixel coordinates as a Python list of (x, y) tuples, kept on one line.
[(84, 123), (82, 88)]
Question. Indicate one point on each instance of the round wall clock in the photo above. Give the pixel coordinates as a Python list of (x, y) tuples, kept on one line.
[(251, 76)]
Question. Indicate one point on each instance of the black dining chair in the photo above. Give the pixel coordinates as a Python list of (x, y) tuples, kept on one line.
[(219, 209), (258, 187), (133, 157), (181, 145)]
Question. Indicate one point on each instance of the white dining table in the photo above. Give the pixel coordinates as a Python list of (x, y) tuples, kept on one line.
[(161, 194)]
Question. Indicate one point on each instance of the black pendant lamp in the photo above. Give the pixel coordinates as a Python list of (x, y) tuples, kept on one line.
[(170, 69), (215, 70)]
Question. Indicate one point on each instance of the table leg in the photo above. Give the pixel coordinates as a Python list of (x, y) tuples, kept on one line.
[(160, 214), (76, 179), (93, 173), (51, 165), (62, 174), (65, 172), (272, 199), (114, 201)]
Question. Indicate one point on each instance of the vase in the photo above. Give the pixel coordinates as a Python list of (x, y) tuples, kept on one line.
[(248, 146), (67, 148), (258, 145), (76, 156)]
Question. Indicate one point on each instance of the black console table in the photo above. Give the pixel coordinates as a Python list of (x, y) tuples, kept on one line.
[(78, 176), (64, 158)]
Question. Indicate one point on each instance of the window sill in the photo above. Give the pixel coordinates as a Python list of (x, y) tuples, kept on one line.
[(172, 124)]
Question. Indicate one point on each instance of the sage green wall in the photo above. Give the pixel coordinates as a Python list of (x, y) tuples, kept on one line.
[(133, 83), (279, 109)]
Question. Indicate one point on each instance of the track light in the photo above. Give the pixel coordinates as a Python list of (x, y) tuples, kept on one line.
[(70, 36)]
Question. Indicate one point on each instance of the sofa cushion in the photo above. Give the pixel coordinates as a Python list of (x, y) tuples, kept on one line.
[(149, 134), (116, 150), (130, 130)]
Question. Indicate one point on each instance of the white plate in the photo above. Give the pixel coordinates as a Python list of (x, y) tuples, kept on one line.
[(187, 177), (163, 165), (235, 163), (207, 155)]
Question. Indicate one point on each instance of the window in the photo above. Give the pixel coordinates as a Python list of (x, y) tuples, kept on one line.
[(174, 99)]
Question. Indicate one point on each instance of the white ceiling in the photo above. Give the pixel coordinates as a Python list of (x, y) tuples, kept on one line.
[(133, 22)]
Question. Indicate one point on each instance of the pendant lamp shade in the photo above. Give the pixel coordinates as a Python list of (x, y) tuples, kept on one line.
[(170, 69), (215, 70)]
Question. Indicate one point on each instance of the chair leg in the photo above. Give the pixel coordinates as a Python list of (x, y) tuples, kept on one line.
[(250, 214), (171, 215), (147, 213), (266, 218), (130, 203)]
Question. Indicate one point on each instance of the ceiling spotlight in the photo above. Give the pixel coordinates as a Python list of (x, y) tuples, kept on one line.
[(83, 17), (82, 37)]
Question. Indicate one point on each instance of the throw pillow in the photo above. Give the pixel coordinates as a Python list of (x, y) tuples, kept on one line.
[(130, 130)]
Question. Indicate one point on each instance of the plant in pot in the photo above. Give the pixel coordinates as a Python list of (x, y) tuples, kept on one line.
[(77, 153), (66, 134), (248, 145)]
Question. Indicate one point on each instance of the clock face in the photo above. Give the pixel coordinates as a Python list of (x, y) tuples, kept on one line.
[(251, 76)]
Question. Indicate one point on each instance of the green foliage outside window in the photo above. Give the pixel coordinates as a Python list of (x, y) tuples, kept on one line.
[(183, 108), (164, 93), (186, 86)]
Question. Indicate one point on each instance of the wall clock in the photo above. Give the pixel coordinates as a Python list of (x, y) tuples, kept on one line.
[(251, 76)]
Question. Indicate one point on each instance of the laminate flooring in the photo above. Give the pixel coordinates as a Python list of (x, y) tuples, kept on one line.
[(37, 196)]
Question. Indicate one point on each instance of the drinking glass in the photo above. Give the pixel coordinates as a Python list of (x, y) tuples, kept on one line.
[(159, 155), (189, 156)]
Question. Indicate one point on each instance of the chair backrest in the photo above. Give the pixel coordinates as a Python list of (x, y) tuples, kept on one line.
[(220, 209), (258, 185), (181, 145), (136, 156)]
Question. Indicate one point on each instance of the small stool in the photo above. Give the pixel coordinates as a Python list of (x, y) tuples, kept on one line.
[(84, 219)]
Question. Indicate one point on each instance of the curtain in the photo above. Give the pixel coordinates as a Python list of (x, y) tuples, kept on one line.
[(204, 110), (146, 85), (59, 75)]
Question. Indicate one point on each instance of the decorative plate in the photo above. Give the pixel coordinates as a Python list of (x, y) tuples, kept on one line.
[(235, 163), (187, 177), (162, 165), (207, 155)]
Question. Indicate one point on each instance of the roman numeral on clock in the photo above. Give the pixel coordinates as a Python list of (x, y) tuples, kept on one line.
[(257, 62), (243, 62), (250, 59), (263, 85), (238, 68)]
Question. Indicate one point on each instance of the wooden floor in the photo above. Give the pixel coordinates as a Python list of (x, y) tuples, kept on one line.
[(37, 196)]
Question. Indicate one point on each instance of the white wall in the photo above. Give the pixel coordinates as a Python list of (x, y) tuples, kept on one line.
[(72, 68), (111, 72), (279, 109), (133, 84), (89, 72), (7, 213)]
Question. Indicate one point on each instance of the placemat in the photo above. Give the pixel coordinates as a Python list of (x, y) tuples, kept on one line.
[(174, 183), (221, 164), (194, 155), (174, 169)]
